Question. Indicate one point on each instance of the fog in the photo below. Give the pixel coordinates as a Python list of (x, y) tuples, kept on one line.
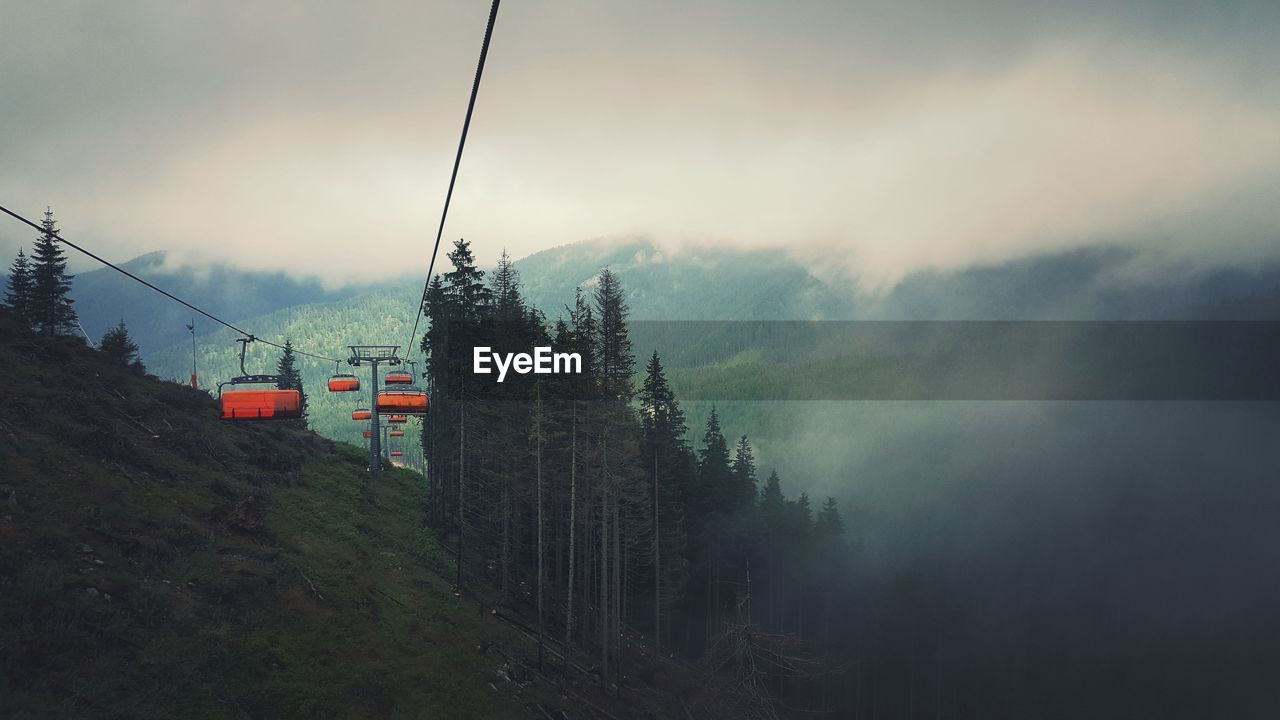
[(868, 139), (1075, 559)]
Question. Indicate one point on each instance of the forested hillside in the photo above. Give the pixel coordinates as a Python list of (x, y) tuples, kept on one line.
[(104, 297), (156, 562), (581, 495)]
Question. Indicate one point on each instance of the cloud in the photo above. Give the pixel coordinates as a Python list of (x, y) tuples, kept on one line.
[(868, 139)]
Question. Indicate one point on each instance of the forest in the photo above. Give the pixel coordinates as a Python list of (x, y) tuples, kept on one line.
[(581, 496)]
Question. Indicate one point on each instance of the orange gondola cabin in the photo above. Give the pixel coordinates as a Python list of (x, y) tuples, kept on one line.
[(396, 453), (368, 434), (361, 414), (344, 383), (398, 377), (404, 401), (397, 419), (261, 404), (396, 433)]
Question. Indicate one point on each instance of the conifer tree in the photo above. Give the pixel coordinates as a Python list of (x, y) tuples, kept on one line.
[(669, 463), (710, 509), (291, 377), (18, 295), (617, 362), (117, 344), (829, 526), (772, 502), (465, 284), (714, 473), (743, 493), (48, 306), (773, 520)]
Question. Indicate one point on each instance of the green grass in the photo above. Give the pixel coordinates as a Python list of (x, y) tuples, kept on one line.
[(208, 538)]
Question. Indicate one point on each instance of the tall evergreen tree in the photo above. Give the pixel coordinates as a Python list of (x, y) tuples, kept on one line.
[(773, 522), (117, 345), (48, 307), (465, 284), (743, 492), (291, 377), (18, 296), (617, 362), (668, 460), (714, 471), (772, 502), (829, 525)]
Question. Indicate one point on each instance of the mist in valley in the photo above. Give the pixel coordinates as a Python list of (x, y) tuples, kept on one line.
[(1085, 559)]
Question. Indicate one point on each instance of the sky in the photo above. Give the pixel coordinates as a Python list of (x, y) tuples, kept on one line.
[(867, 139)]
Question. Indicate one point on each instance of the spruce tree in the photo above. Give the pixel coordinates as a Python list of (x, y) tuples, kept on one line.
[(714, 473), (829, 526), (743, 493), (18, 296), (117, 345), (617, 362), (48, 307), (772, 503), (772, 518), (291, 377), (465, 284), (666, 457)]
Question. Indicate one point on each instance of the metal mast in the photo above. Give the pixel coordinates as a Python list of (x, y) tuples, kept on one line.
[(374, 356)]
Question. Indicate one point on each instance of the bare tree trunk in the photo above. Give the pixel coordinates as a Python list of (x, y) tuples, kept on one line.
[(541, 619), (604, 565), (462, 480), (504, 585), (657, 564), (573, 509), (713, 588), (618, 569)]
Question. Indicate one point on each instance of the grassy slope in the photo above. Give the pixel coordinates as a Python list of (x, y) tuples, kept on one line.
[(195, 599)]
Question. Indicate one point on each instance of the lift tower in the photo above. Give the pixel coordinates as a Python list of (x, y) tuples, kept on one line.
[(374, 356)]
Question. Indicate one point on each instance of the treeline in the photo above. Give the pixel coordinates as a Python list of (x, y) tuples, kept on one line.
[(581, 496), (38, 293)]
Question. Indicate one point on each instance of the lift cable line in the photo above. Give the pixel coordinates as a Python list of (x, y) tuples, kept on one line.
[(167, 294), (466, 124)]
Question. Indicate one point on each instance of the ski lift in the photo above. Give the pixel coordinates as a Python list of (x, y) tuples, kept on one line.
[(396, 433), (272, 404), (396, 453), (343, 382), (397, 419), (398, 377), (403, 400), (368, 434), (361, 414)]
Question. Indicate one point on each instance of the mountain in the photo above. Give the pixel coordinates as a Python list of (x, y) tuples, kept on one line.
[(104, 297), (665, 289), (691, 284), (1100, 283)]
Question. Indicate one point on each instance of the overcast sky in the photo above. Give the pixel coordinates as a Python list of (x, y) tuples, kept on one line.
[(878, 138)]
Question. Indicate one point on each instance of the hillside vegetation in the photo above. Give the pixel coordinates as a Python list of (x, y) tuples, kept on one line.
[(157, 563)]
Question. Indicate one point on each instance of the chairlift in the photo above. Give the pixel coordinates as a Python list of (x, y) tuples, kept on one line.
[(343, 382), (259, 404), (403, 400), (398, 377)]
